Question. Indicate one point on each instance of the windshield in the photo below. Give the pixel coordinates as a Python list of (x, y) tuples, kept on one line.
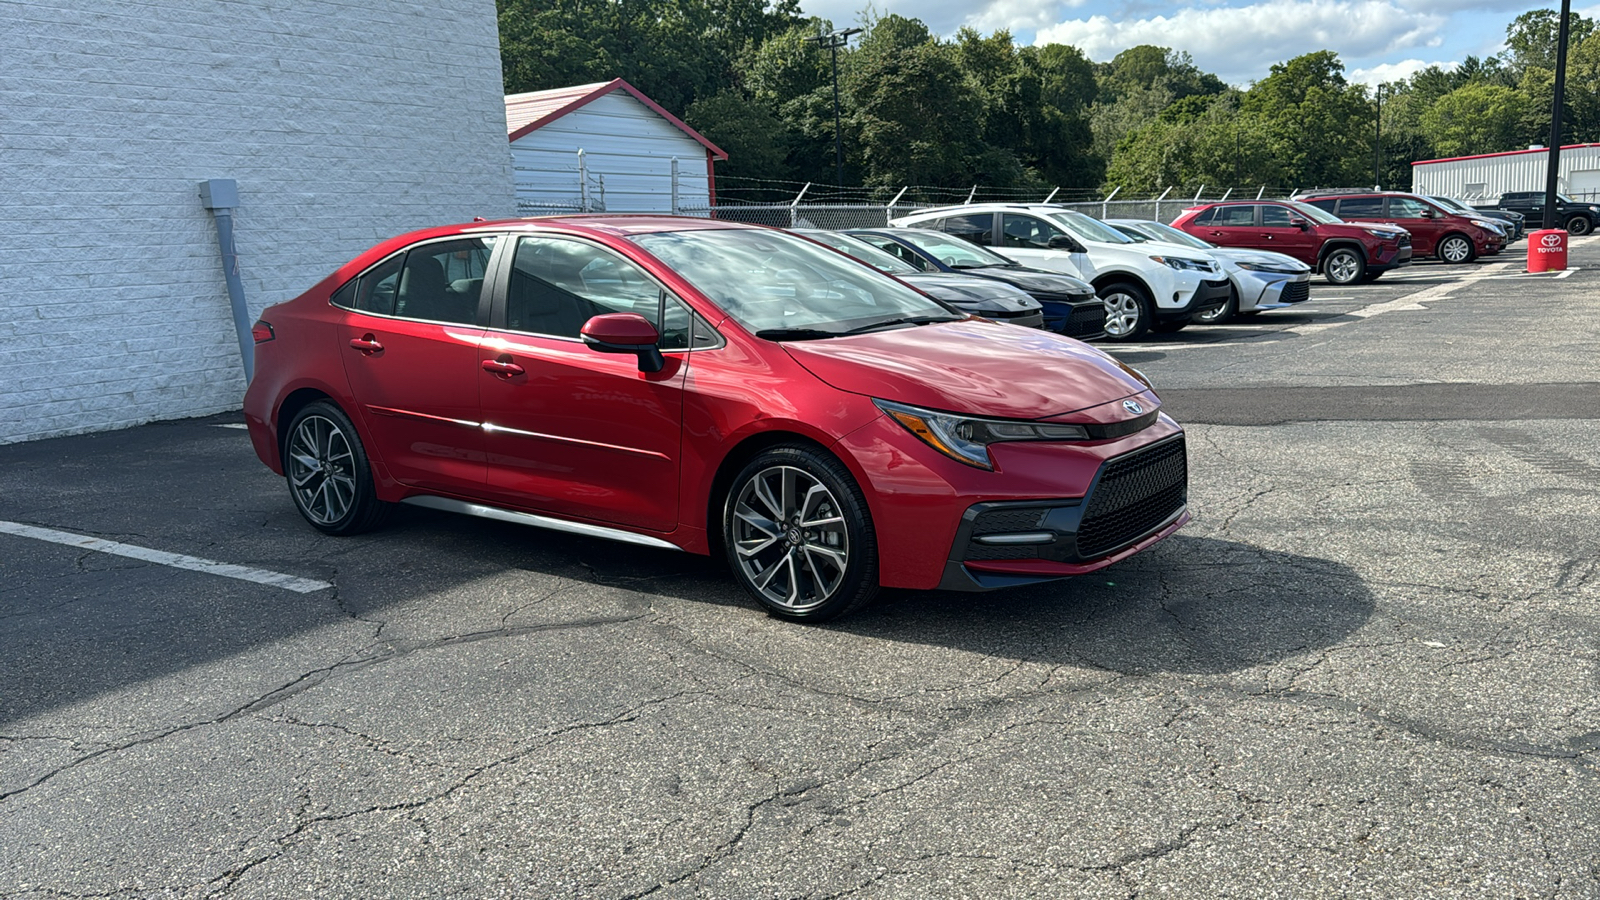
[(773, 282), (1314, 213), (1174, 236), (954, 252), (1088, 228), (861, 251), (1451, 203)]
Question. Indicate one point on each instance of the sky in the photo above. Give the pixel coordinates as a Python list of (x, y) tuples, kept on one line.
[(1237, 40)]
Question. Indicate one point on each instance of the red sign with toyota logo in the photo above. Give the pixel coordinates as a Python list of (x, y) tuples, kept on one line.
[(1547, 250)]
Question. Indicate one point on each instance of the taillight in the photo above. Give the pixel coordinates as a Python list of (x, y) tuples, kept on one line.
[(262, 331)]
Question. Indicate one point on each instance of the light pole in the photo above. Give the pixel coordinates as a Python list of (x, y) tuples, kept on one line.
[(1377, 142), (1556, 110), (833, 41)]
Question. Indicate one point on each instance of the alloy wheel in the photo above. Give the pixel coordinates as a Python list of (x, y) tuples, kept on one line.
[(322, 470), (1343, 267), (1122, 314), (1455, 250), (790, 539)]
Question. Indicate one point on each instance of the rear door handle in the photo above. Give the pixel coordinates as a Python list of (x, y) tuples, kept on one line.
[(366, 344), (503, 368)]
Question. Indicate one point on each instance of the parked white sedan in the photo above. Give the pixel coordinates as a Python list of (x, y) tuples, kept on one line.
[(1261, 279)]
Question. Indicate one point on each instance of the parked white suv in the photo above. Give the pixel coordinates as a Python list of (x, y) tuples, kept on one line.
[(1149, 286)]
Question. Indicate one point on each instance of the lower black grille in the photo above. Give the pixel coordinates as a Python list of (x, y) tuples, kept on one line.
[(1135, 494), (1088, 319), (1405, 240), (1004, 521), (1296, 292)]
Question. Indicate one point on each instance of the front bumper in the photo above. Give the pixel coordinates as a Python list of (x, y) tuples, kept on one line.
[(1136, 499), (1083, 318), (1270, 290), (1207, 296)]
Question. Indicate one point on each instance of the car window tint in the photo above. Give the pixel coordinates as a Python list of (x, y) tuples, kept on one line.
[(1204, 217), (1406, 208), (897, 250), (441, 281), (1027, 231), (1329, 204), (1234, 216), (376, 293), (558, 284), (1361, 207), (977, 228), (1276, 217)]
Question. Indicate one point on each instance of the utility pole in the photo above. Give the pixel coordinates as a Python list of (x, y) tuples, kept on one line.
[(1556, 111), (1377, 142), (833, 41)]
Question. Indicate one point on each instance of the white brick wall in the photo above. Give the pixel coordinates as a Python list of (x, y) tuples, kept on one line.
[(343, 122)]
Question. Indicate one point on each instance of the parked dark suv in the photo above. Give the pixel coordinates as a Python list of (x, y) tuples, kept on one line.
[(1344, 252), (1435, 230), (1575, 216)]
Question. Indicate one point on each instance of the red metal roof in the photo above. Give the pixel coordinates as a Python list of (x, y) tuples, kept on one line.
[(531, 111), (1564, 147)]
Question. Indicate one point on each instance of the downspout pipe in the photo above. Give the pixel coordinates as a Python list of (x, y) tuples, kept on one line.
[(221, 196)]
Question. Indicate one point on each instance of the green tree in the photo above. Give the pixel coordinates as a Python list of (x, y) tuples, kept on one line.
[(1319, 125), (1475, 118)]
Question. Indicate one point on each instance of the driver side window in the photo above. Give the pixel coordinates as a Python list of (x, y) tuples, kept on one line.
[(558, 284), (1028, 232)]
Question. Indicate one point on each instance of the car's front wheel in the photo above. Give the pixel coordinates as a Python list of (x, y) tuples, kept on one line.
[(1344, 265), (329, 477), (1455, 248), (1127, 311), (1579, 225), (1222, 313), (799, 536)]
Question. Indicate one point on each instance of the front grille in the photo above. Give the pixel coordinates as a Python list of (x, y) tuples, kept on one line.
[(1004, 521), (1090, 318), (1134, 495), (1294, 292), (1405, 240)]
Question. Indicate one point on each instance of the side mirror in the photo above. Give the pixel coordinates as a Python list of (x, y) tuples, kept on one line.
[(1062, 242), (1300, 223), (1427, 213), (625, 333)]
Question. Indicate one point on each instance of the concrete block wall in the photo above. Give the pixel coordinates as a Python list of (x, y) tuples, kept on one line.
[(343, 122)]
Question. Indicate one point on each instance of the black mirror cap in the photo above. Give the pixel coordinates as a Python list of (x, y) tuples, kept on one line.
[(1062, 242), (650, 358)]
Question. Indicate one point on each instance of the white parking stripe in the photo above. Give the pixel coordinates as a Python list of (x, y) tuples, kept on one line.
[(160, 557), (234, 425)]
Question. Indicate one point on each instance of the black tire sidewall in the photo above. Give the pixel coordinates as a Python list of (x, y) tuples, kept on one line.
[(1584, 225), (364, 510), (1327, 265), (1142, 301), (860, 582)]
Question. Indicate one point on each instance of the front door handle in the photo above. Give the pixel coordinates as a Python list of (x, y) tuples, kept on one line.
[(366, 344), (503, 367)]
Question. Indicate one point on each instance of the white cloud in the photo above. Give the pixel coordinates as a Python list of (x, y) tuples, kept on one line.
[(1019, 15), (1239, 43), (1399, 71)]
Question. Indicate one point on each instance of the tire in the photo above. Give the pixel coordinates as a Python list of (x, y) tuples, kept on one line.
[(1170, 325), (330, 479), (1455, 249), (1344, 265), (1579, 225), (798, 573), (1127, 311), (1221, 314)]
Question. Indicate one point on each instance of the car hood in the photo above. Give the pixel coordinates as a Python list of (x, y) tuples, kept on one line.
[(971, 294), (1264, 257), (1355, 229), (972, 367), (1035, 281)]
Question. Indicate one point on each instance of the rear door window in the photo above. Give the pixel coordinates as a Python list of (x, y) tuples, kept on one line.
[(1234, 216), (977, 228)]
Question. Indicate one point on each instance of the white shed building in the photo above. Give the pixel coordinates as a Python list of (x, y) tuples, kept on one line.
[(1489, 175), (333, 125), (605, 147)]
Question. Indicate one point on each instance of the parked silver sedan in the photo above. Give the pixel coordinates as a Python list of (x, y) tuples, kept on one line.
[(1261, 279)]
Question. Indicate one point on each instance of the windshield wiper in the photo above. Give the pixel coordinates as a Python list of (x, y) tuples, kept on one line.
[(796, 334), (905, 320)]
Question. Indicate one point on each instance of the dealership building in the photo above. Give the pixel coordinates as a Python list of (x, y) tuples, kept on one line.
[(1485, 177)]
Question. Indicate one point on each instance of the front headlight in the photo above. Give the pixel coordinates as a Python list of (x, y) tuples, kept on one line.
[(1179, 262), (966, 439), (1380, 233), (1488, 226)]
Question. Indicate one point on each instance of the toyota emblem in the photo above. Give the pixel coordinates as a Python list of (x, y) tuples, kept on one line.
[(1133, 407), (1551, 240)]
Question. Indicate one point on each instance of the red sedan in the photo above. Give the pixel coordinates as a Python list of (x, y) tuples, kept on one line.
[(710, 387)]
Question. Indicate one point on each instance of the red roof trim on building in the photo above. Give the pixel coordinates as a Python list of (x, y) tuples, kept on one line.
[(601, 90), (1564, 147)]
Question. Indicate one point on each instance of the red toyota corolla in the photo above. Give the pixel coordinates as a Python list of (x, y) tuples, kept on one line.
[(710, 387)]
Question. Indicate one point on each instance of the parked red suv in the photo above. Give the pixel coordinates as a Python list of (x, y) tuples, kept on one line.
[(1435, 230), (688, 384), (1344, 252)]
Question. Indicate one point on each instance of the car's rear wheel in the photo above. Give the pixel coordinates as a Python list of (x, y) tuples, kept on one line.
[(1127, 311), (330, 479), (1344, 265), (1455, 248), (1222, 313), (799, 536), (1579, 225)]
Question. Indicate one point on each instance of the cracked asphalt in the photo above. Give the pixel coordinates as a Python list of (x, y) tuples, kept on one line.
[(1368, 668)]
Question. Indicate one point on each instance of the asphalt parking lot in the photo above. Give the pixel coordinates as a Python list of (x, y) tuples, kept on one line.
[(1368, 667)]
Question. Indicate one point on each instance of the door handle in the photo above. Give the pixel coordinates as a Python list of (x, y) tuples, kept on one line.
[(366, 344), (503, 368)]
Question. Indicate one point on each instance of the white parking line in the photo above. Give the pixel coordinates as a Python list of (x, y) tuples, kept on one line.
[(160, 557), (240, 425)]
